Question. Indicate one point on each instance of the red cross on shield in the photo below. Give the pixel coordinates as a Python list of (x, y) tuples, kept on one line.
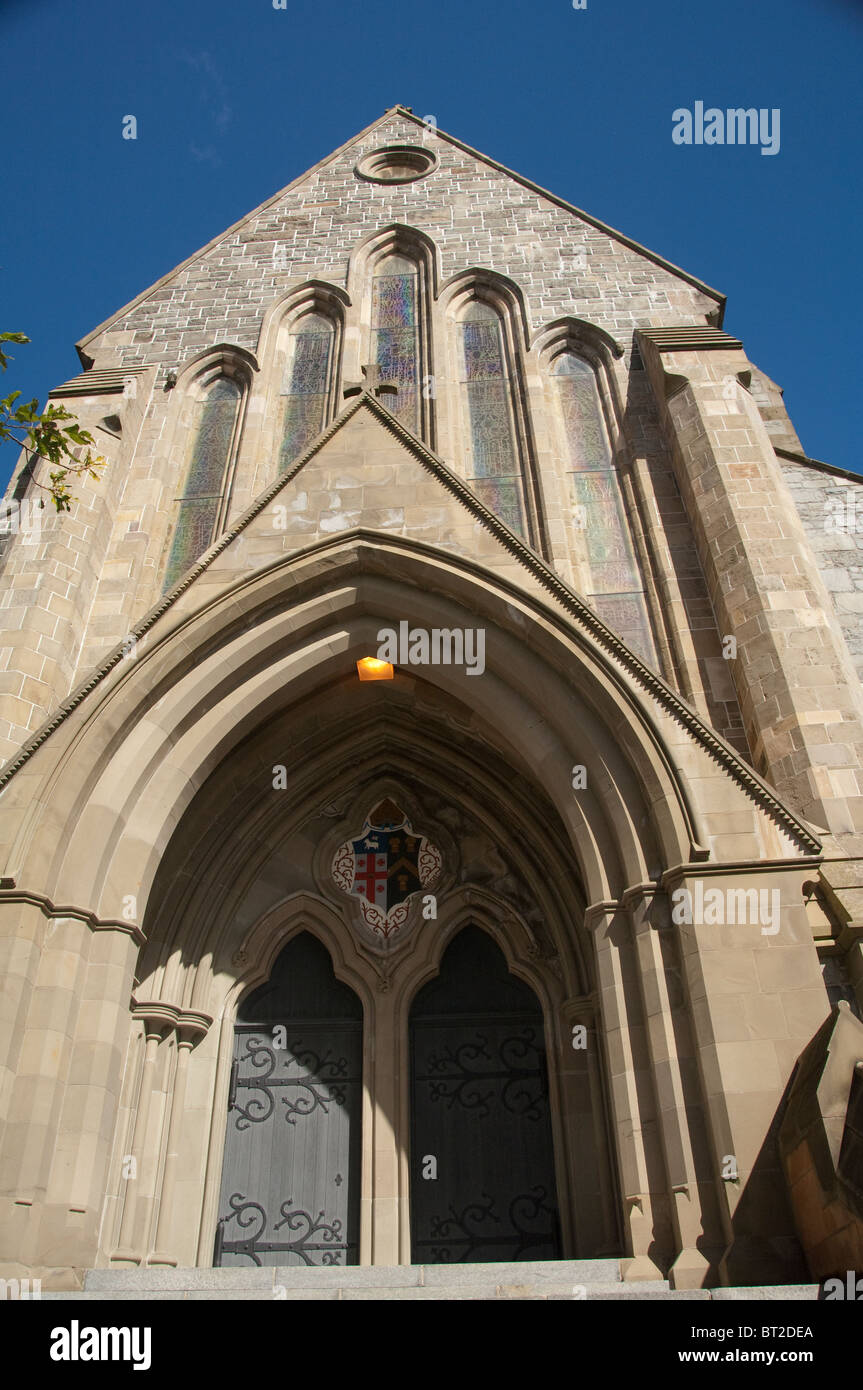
[(370, 878)]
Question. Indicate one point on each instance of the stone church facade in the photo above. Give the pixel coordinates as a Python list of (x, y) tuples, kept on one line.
[(516, 953)]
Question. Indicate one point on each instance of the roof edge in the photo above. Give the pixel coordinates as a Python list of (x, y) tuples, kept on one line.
[(81, 344), (570, 207), (405, 111), (833, 469)]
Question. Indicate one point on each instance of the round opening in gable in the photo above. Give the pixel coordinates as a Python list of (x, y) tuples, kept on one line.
[(396, 164)]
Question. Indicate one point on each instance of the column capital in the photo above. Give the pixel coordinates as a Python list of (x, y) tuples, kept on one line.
[(189, 1024)]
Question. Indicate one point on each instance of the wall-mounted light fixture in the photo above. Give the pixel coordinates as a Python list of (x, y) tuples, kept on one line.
[(370, 669)]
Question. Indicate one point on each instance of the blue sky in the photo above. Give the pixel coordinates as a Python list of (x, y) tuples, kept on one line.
[(234, 98)]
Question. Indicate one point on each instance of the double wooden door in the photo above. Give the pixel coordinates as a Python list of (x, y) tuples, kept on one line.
[(481, 1156)]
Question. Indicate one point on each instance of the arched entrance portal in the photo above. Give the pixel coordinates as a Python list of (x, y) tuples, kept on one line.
[(290, 1177), (483, 1184), (206, 788)]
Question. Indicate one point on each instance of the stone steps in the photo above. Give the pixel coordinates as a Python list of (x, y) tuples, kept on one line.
[(550, 1280)]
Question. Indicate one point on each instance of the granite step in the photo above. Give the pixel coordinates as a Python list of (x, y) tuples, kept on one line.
[(548, 1280), (544, 1292), (359, 1277)]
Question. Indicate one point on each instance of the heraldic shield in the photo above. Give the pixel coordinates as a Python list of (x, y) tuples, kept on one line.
[(385, 867)]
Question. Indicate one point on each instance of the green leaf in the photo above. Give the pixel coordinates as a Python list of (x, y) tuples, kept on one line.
[(10, 338)]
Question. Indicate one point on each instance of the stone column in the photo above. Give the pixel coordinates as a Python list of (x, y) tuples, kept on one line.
[(592, 1191), (647, 1224), (800, 697), (384, 1199), (131, 1244), (190, 1029), (691, 1182)]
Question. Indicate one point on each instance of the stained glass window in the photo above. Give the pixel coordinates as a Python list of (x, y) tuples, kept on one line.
[(306, 385), (582, 414), (494, 470), (205, 482), (597, 501), (616, 591), (395, 334)]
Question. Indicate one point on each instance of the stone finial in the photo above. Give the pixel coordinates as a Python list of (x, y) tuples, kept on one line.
[(373, 384)]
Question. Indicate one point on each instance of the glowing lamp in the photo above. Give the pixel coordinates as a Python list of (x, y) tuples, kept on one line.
[(370, 669)]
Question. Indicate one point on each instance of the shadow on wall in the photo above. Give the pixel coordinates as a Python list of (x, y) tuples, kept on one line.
[(758, 1253), (821, 1146)]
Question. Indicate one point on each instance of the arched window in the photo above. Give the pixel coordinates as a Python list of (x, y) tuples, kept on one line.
[(586, 440), (616, 589), (494, 467), (201, 503), (306, 384), (395, 334)]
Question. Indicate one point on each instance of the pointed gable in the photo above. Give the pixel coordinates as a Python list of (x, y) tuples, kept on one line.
[(309, 229), (366, 472)]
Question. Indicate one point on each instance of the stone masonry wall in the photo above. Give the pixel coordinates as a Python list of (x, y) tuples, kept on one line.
[(476, 216), (831, 509)]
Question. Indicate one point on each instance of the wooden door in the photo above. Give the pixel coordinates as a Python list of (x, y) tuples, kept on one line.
[(482, 1161), (291, 1172)]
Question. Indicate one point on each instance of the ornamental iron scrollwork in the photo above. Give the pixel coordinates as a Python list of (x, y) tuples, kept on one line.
[(326, 1084), (455, 1237), (519, 1064), (330, 1243)]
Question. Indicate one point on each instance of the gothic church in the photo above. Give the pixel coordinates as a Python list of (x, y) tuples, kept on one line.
[(528, 932)]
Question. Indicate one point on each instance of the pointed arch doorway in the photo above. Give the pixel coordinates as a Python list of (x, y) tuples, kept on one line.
[(290, 1192), (482, 1159)]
